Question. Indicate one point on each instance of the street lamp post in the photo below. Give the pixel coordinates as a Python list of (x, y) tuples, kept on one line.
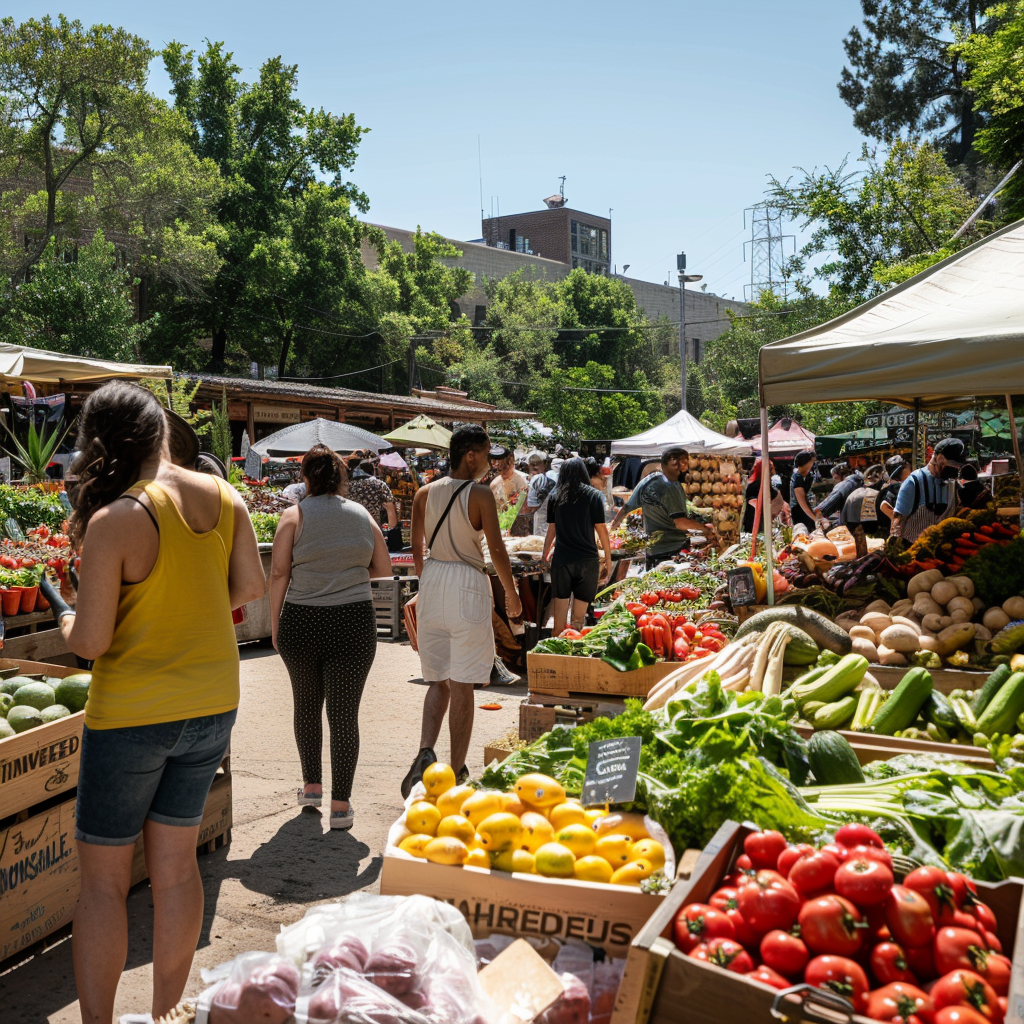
[(684, 280)]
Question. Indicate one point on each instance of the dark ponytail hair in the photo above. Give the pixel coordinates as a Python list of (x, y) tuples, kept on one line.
[(121, 426), (324, 471), (573, 481)]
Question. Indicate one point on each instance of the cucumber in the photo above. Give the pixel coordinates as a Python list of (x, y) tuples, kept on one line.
[(937, 710), (824, 632), (801, 649), (903, 706), (964, 714), (836, 682), (808, 677), (832, 760), (991, 687), (811, 707), (836, 714), (1007, 704)]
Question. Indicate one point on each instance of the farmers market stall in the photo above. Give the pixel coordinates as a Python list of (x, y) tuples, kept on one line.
[(297, 439)]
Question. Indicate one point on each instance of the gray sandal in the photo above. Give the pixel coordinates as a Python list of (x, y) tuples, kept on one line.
[(343, 819)]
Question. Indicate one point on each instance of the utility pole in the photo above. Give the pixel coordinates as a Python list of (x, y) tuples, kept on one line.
[(684, 280)]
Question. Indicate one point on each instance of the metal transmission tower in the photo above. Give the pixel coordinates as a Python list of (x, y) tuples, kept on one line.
[(767, 251)]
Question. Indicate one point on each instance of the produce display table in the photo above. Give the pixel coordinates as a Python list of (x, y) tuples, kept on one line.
[(564, 677)]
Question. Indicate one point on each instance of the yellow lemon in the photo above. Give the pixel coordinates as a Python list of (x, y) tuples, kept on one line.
[(578, 838), (633, 873), (513, 805), (482, 804), (623, 823), (537, 831), (451, 800), (554, 860), (422, 817), (594, 815), (593, 869), (500, 832), (477, 858), (650, 850), (438, 779), (614, 848), (539, 790), (567, 814), (415, 844), (458, 826), (446, 850)]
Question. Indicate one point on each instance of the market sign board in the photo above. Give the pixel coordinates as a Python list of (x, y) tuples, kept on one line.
[(909, 418), (276, 413), (612, 767)]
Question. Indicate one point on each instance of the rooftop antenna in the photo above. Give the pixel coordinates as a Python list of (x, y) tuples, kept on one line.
[(480, 167), (561, 187)]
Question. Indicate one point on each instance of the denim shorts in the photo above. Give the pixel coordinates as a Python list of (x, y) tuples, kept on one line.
[(160, 772)]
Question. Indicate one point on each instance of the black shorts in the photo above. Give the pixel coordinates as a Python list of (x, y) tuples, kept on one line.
[(576, 579)]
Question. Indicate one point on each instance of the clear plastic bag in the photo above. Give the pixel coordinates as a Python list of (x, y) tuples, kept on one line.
[(348, 998), (607, 977), (571, 1007), (262, 988)]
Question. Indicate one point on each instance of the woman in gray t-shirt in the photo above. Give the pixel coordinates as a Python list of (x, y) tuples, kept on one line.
[(326, 551)]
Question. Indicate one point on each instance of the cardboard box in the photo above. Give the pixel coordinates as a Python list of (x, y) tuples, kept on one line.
[(658, 980), (560, 675), (537, 719)]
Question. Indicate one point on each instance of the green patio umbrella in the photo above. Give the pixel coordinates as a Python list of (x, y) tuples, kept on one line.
[(421, 432)]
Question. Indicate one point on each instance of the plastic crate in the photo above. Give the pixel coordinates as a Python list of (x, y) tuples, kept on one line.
[(389, 597)]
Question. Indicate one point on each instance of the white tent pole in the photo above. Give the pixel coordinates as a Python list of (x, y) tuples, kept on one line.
[(766, 506), (1016, 453)]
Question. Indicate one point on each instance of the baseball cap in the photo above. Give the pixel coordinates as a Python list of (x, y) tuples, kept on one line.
[(536, 456), (894, 465), (952, 450), (498, 451)]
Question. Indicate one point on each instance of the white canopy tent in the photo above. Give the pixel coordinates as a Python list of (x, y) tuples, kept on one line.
[(681, 431), (35, 364), (954, 331)]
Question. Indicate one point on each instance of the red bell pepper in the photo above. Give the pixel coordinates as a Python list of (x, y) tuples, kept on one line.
[(660, 622), (636, 609), (680, 648), (690, 630), (649, 599)]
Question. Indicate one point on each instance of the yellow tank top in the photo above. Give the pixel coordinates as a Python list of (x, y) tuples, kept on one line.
[(174, 654)]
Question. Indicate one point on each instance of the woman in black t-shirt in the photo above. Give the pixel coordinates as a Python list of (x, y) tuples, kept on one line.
[(753, 489), (575, 511), (800, 490)]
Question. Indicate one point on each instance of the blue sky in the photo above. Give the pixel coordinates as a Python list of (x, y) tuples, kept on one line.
[(673, 114)]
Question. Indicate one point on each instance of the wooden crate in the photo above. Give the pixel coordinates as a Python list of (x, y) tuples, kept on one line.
[(869, 747), (658, 980), (536, 719), (560, 675), (946, 680)]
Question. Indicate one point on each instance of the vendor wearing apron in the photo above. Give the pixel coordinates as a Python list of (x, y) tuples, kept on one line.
[(928, 495)]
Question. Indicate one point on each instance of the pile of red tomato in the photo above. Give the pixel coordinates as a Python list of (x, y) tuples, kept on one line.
[(674, 637), (924, 952)]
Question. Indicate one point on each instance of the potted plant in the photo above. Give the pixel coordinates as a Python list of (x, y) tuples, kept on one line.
[(10, 592), (35, 456), (28, 579)]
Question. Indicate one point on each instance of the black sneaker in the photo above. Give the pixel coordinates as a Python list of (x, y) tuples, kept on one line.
[(463, 776), (424, 759)]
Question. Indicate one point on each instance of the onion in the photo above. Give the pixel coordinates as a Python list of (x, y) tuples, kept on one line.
[(716, 502), (716, 488)]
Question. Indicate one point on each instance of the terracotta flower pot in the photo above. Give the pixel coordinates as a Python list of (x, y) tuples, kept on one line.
[(42, 605), (29, 595), (10, 599)]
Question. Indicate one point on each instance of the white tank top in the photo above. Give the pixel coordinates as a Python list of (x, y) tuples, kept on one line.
[(457, 540)]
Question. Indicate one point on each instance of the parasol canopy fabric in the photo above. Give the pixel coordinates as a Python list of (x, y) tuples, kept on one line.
[(421, 432), (785, 436), (17, 362), (681, 431), (393, 461), (300, 437)]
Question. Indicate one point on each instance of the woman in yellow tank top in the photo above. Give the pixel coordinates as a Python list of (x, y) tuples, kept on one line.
[(166, 554)]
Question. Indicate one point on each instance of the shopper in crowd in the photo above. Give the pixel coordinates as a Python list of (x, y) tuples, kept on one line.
[(367, 489), (575, 512), (600, 484), (800, 491), (850, 480), (665, 509), (779, 507), (326, 550), (861, 505), (544, 476), (971, 493), (166, 554), (896, 470), (928, 495), (453, 627), (508, 482)]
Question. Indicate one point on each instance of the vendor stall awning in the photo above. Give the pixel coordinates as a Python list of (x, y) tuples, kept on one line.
[(300, 437), (681, 431), (35, 364), (786, 436), (421, 432), (953, 331)]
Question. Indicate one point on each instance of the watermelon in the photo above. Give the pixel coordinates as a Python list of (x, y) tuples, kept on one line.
[(53, 712), (6, 730), (73, 691), (34, 695), (23, 717), (13, 684)]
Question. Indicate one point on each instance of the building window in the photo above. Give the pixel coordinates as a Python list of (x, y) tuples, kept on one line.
[(604, 244), (523, 244), (575, 239), (588, 241)]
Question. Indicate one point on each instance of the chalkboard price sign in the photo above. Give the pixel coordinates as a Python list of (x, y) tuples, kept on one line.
[(611, 771)]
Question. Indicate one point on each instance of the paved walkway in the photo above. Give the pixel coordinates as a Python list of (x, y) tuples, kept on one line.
[(281, 858)]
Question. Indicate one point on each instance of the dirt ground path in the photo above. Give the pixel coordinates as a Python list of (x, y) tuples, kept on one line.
[(280, 860)]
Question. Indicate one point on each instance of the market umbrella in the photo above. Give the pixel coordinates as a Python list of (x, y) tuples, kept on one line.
[(300, 437), (393, 461), (421, 432)]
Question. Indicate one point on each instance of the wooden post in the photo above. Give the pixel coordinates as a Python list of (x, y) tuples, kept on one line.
[(766, 505), (1016, 453), (250, 421)]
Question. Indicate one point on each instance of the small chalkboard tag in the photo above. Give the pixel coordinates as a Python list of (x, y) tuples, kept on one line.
[(742, 591), (66, 502), (611, 771), (12, 528)]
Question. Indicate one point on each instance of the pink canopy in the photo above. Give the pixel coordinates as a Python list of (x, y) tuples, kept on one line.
[(786, 436)]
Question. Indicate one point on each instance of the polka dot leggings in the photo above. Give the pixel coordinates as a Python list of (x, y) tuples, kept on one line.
[(328, 652)]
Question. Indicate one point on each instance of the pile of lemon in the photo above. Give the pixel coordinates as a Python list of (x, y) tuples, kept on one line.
[(534, 830)]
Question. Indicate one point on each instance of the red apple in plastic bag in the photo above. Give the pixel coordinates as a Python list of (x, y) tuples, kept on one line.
[(346, 951), (571, 1007), (332, 997), (392, 967), (267, 996)]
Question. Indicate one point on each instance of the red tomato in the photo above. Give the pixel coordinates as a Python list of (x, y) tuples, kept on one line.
[(764, 848), (830, 924), (877, 930), (983, 912), (965, 988), (858, 835), (724, 898), (743, 863), (900, 1002), (958, 948), (768, 901), (865, 883), (965, 892), (784, 953), (699, 923), (689, 630), (767, 976), (934, 886), (921, 961), (724, 953), (991, 940), (790, 855), (997, 973), (888, 964), (840, 975), (959, 1015), (871, 853), (839, 852), (908, 917), (814, 872)]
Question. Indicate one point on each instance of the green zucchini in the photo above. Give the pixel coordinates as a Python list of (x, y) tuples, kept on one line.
[(905, 703), (832, 760), (965, 715), (990, 688), (834, 684), (836, 714), (801, 649), (937, 710), (808, 677), (811, 707), (824, 632), (937, 733), (1007, 704)]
